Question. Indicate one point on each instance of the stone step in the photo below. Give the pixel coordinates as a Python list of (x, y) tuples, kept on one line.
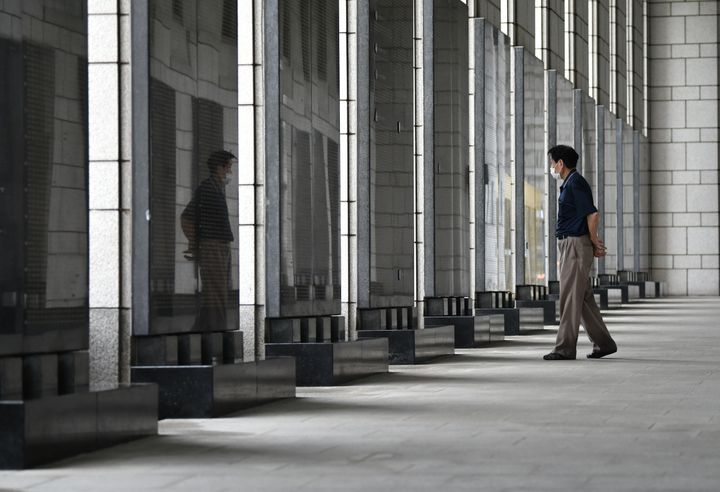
[(209, 391), (332, 363), (415, 346)]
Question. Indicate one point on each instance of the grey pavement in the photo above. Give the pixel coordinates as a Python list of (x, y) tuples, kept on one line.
[(497, 418)]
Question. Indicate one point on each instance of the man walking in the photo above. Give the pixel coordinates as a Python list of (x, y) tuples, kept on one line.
[(578, 243)]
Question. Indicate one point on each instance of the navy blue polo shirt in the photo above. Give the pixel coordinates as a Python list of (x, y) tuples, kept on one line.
[(574, 205)]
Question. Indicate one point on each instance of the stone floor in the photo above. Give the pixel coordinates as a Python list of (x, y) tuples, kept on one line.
[(500, 418)]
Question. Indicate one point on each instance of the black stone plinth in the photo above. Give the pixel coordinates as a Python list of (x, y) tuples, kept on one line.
[(517, 320), (547, 306), (42, 430), (470, 331), (415, 346), (209, 391), (331, 363)]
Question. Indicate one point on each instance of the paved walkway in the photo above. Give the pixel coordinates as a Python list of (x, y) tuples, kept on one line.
[(646, 418)]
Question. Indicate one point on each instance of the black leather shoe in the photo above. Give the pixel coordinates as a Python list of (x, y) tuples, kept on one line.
[(597, 354), (556, 356)]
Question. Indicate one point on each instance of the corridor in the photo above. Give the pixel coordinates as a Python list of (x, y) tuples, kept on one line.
[(496, 418)]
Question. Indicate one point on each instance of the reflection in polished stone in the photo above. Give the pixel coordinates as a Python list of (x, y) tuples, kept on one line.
[(536, 170), (193, 175), (498, 167), (309, 158), (43, 172), (451, 186), (610, 191), (391, 153)]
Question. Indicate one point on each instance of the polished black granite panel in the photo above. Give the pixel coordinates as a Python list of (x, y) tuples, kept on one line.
[(43, 177), (310, 329), (209, 391), (415, 346), (451, 207), (11, 378), (328, 364), (282, 330), (447, 306), (190, 247), (470, 331), (309, 135), (390, 179), (38, 431), (73, 372)]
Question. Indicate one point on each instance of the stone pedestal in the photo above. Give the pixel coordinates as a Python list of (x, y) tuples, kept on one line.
[(332, 363), (41, 430), (205, 391), (415, 346), (472, 331)]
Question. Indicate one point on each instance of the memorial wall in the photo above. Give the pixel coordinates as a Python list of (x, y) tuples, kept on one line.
[(391, 156), (451, 140), (497, 170), (309, 159)]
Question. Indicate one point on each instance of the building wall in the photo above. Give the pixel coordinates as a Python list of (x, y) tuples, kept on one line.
[(518, 22), (549, 33), (683, 111), (576, 43)]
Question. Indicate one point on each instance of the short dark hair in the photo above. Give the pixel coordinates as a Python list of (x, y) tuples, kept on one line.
[(565, 153), (219, 158)]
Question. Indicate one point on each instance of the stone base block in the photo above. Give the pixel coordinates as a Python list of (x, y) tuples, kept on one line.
[(517, 320), (41, 430), (331, 363), (601, 297), (210, 391), (617, 294), (470, 331), (415, 346), (547, 306)]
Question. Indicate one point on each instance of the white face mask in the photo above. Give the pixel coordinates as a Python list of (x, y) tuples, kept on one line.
[(554, 173), (228, 179)]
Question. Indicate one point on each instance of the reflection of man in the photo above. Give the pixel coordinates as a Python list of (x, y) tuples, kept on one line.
[(578, 243), (206, 224)]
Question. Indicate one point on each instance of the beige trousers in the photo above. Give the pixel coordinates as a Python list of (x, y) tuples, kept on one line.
[(577, 303)]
